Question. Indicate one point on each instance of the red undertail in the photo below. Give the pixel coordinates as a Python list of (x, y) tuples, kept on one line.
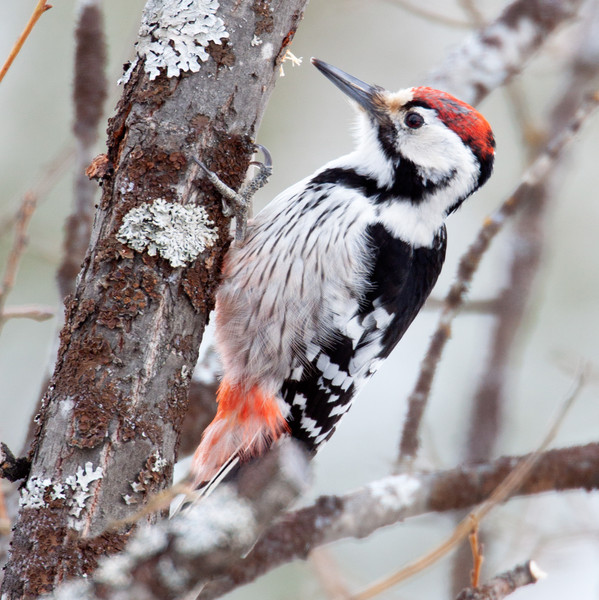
[(247, 422)]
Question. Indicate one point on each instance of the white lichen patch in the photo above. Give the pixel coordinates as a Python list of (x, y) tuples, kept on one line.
[(79, 483), (74, 491), (175, 232), (57, 492), (138, 487), (159, 462), (32, 495), (175, 34), (395, 493)]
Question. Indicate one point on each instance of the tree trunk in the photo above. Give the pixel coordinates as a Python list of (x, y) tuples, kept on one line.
[(109, 424)]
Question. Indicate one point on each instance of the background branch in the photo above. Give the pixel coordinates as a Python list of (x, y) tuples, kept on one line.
[(89, 96), (40, 8), (527, 246), (504, 584), (396, 498), (535, 175)]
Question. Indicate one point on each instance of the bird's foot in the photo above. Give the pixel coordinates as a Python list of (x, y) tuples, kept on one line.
[(238, 204)]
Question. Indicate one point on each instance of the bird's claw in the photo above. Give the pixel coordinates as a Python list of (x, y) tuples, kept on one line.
[(238, 204)]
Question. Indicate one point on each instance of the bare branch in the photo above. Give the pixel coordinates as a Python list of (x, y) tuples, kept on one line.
[(14, 257), (527, 247), (430, 15), (490, 57), (392, 499), (89, 95), (473, 12), (465, 527), (46, 180), (477, 307), (504, 584), (37, 312)]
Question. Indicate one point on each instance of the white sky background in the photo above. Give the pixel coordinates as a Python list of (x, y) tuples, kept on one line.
[(309, 122)]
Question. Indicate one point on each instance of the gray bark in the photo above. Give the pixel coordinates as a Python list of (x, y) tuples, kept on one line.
[(111, 417)]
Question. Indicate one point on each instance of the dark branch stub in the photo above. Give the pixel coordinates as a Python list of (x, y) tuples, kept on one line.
[(12, 468)]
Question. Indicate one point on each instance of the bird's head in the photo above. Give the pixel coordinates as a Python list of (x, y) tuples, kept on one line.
[(419, 142)]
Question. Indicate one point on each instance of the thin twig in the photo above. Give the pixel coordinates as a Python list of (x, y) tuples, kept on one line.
[(20, 241), (477, 307), (477, 554), (5, 523), (37, 312), (508, 486), (473, 12), (468, 266), (46, 180), (431, 15), (329, 574), (39, 10)]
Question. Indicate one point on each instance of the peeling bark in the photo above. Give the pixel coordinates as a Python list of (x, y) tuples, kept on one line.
[(118, 395)]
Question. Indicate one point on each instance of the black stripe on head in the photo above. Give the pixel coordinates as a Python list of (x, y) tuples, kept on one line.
[(407, 183)]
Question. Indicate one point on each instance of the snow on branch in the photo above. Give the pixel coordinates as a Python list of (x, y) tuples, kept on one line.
[(359, 513), (488, 58), (505, 583), (174, 557)]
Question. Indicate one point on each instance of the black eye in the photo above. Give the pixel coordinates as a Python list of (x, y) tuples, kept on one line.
[(413, 120)]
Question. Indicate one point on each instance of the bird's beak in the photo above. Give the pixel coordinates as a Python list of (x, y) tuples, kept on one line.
[(366, 95)]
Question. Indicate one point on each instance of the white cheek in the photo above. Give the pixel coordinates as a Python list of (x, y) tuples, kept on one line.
[(433, 147)]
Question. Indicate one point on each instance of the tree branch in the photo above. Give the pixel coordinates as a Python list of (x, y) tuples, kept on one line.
[(24, 216), (89, 95), (504, 584), (175, 557), (40, 8), (396, 498), (489, 58)]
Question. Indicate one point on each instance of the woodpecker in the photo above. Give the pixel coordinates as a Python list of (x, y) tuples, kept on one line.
[(333, 271)]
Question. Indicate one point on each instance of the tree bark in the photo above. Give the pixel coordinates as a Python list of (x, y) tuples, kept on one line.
[(111, 417)]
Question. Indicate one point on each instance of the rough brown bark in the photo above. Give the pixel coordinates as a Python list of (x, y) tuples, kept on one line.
[(119, 391), (176, 557)]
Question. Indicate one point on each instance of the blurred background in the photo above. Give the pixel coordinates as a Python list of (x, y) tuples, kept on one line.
[(309, 122)]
